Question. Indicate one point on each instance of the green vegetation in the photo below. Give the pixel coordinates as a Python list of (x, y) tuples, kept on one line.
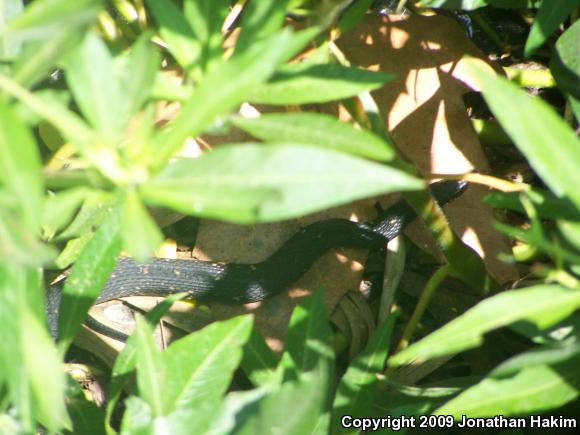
[(84, 158)]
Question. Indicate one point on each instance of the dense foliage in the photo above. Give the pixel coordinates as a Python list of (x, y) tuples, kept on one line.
[(83, 158)]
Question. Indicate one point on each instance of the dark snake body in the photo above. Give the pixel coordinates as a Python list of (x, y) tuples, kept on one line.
[(231, 283)]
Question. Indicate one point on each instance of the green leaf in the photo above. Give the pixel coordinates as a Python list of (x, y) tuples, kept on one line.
[(43, 367), (199, 367), (137, 418), (548, 143), (60, 208), (69, 124), (177, 33), (547, 204), (542, 305), (86, 416), (316, 129), (310, 340), (152, 373), (38, 58), (206, 18), (86, 279), (228, 86), (305, 84), (565, 62), (534, 389), (20, 172), (260, 19), (550, 15), (571, 231), (36, 385), (255, 183), (236, 409), (545, 355), (91, 215), (170, 88), (259, 361), (353, 15), (140, 233), (354, 395), (126, 360), (8, 10), (294, 408), (43, 18), (136, 77), (90, 74), (18, 245)]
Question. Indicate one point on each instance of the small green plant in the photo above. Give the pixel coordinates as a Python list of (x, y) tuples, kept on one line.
[(83, 159)]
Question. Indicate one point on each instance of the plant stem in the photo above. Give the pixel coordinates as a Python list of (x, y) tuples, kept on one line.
[(430, 288)]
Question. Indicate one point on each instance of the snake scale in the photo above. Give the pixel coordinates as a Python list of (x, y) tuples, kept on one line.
[(210, 282)]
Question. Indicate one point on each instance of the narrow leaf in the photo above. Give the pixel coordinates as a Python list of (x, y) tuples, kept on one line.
[(533, 390), (260, 18), (34, 386), (43, 18), (354, 396), (206, 18), (20, 175), (90, 73), (44, 371), (151, 371), (548, 206), (544, 355), (550, 15), (60, 208), (177, 33), (87, 278), (317, 129), (253, 183), (259, 361), (543, 305), (309, 339), (294, 408), (39, 58), (565, 62), (140, 233), (305, 84), (137, 77), (228, 86), (539, 132), (125, 362)]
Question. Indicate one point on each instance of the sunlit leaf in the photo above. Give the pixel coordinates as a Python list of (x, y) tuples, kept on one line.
[(43, 18), (534, 389), (543, 305), (20, 175), (548, 143), (228, 86), (260, 18), (550, 15), (90, 73), (201, 365), (256, 183), (87, 278), (354, 395), (140, 233), (316, 129), (303, 84), (565, 63)]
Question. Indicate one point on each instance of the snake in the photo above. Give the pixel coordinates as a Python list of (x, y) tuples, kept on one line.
[(234, 283)]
